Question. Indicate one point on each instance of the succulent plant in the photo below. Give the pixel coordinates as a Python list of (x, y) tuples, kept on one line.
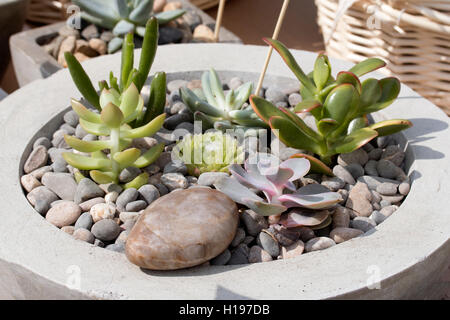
[(217, 110), (123, 16), (265, 175), (129, 75), (340, 107), (208, 152), (113, 121)]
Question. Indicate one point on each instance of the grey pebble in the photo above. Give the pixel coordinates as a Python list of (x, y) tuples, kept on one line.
[(84, 221), (319, 243), (358, 156), (209, 178), (149, 193), (83, 235), (238, 238), (239, 255), (268, 243), (387, 188), (60, 166), (127, 196), (333, 183), (404, 188), (355, 169), (105, 230), (117, 247), (377, 217), (136, 206), (128, 174), (71, 118), (387, 169), (222, 259), (371, 168), (42, 141), (174, 181), (253, 222), (342, 173), (375, 154), (86, 190), (62, 184), (363, 223), (175, 167)]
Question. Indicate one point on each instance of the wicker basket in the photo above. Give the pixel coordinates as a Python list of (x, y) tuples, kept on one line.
[(47, 11), (413, 36)]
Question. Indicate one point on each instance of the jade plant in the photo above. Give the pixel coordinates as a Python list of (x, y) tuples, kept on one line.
[(117, 111), (217, 110), (273, 179), (123, 16), (339, 105), (129, 75), (208, 152)]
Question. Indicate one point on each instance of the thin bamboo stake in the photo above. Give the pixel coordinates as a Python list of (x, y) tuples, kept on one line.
[(269, 53), (219, 20)]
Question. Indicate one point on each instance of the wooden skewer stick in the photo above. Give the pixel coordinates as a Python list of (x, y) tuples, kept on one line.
[(219, 20), (269, 53)]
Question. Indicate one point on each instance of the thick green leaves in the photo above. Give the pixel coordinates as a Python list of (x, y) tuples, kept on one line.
[(195, 104), (103, 177), (348, 77), (86, 146), (97, 8), (167, 16), (371, 92), (86, 163), (127, 60), (157, 99), (85, 113), (149, 46), (355, 140), (326, 126), (112, 116), (264, 109), (316, 165), (137, 182), (322, 71), (390, 88), (356, 124), (147, 130), (207, 121), (122, 28), (81, 80), (149, 156), (141, 12), (340, 103), (109, 96), (99, 129), (130, 101), (291, 135), (127, 158), (388, 127), (301, 124), (291, 63), (367, 66)]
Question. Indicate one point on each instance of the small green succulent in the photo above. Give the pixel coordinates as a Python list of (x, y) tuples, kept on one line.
[(215, 110), (208, 152), (340, 107), (123, 16), (129, 75), (113, 121)]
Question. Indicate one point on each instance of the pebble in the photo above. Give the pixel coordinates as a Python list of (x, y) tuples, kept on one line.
[(102, 211), (388, 210), (373, 182), (333, 183), (42, 206), (371, 168), (404, 188), (136, 206), (254, 223), (268, 243), (63, 214), (87, 205), (239, 255), (203, 33), (107, 36), (376, 197), (175, 167), (90, 32), (68, 129), (84, 235), (39, 173), (294, 99), (67, 45), (387, 169), (122, 238), (99, 243), (42, 194), (29, 182), (319, 243), (145, 143), (341, 234), (86, 190), (162, 189), (117, 247), (293, 250), (238, 238), (355, 169), (42, 141), (209, 178), (393, 199), (222, 259), (174, 181), (342, 173), (175, 85), (341, 217), (344, 195), (84, 221), (98, 45), (257, 254), (125, 216), (59, 166), (377, 217), (128, 174), (235, 83), (111, 187), (62, 184), (358, 156), (105, 230), (172, 234), (149, 193), (363, 223), (37, 158), (68, 229), (384, 203), (394, 154), (274, 95), (129, 195), (359, 200), (375, 154), (387, 188)]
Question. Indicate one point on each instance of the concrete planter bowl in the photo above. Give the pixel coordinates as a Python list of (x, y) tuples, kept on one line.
[(32, 62), (407, 253)]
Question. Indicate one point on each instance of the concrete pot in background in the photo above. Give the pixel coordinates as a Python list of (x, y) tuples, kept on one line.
[(12, 17)]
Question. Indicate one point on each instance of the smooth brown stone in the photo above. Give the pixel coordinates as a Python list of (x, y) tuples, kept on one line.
[(183, 229), (341, 234)]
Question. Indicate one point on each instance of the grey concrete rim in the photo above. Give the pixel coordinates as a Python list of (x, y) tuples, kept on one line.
[(408, 249)]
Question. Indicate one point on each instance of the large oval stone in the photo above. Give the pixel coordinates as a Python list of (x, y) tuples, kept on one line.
[(183, 229)]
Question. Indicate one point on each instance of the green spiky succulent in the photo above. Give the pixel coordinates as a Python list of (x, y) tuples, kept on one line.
[(217, 110), (208, 152), (340, 107), (129, 75), (122, 16), (113, 121)]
